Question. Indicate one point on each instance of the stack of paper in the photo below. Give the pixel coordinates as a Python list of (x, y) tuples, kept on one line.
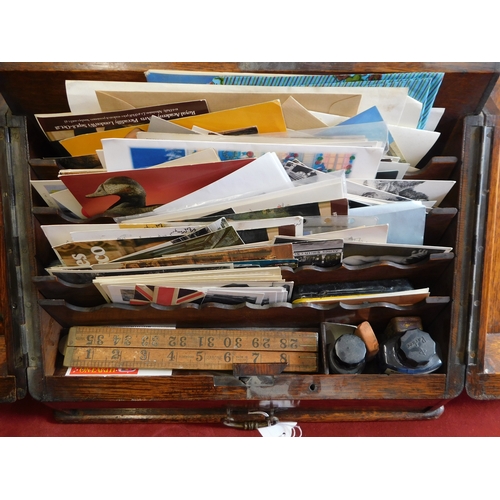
[(210, 191)]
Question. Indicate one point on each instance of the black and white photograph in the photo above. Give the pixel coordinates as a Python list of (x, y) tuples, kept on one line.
[(417, 190)]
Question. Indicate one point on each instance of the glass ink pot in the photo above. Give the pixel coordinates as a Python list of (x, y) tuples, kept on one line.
[(347, 355), (413, 352)]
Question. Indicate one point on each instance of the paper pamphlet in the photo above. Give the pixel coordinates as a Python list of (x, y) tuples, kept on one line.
[(58, 126), (266, 117), (355, 160)]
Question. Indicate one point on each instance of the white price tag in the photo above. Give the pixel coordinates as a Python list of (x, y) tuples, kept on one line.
[(281, 429)]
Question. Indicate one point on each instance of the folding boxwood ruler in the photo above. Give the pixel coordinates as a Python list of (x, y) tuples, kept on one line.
[(190, 349)]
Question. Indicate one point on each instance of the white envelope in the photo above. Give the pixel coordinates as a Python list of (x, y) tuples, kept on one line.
[(60, 234), (98, 234), (46, 190), (263, 175), (434, 117), (362, 234), (100, 155), (411, 113), (331, 189), (413, 143), (392, 166), (66, 199)]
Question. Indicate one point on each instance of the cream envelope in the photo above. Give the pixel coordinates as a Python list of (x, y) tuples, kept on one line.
[(409, 117), (334, 100), (328, 119), (98, 95), (327, 102), (299, 118)]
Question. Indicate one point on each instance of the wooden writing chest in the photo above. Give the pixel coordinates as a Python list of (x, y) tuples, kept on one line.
[(461, 314)]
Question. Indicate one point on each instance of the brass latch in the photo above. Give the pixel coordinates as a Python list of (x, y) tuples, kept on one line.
[(266, 420)]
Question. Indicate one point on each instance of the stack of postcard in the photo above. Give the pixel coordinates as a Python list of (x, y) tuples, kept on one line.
[(210, 191)]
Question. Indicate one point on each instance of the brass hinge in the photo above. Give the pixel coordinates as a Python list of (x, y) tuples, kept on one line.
[(479, 242)]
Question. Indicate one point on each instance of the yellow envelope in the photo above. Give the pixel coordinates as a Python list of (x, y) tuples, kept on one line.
[(321, 99), (88, 144), (267, 117)]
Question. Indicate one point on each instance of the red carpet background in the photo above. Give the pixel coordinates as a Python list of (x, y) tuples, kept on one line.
[(463, 417)]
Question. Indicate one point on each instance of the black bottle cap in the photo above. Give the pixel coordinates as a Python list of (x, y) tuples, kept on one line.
[(350, 350), (416, 347)]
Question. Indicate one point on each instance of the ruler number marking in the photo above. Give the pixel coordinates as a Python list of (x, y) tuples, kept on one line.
[(184, 358), (146, 341), (95, 340)]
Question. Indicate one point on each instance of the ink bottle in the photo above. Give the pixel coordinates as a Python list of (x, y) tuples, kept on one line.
[(347, 355), (400, 324), (413, 352)]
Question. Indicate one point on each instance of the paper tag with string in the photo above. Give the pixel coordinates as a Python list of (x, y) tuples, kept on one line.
[(281, 429)]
